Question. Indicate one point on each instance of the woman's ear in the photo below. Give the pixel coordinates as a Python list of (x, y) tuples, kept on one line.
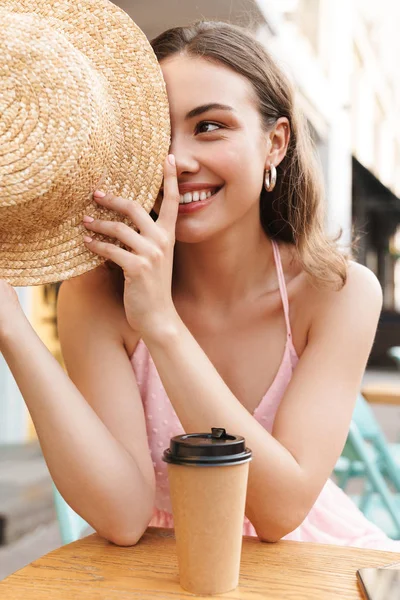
[(278, 141)]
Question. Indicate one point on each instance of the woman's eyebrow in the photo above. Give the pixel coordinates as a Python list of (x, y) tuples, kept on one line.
[(199, 110)]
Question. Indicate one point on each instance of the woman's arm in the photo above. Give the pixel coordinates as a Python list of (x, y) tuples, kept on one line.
[(92, 432), (289, 467)]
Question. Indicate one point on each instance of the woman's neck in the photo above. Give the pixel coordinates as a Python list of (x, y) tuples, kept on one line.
[(224, 271)]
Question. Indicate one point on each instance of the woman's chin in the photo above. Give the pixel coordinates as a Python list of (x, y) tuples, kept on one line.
[(190, 235)]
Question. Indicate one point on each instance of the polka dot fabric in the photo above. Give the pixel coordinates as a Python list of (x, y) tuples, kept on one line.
[(162, 422), (334, 518)]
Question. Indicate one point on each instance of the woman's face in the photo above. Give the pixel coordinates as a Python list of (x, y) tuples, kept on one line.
[(219, 145)]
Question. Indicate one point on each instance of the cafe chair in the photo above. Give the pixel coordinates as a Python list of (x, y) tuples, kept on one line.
[(368, 455), (394, 353), (379, 503), (71, 525), (348, 465), (385, 455)]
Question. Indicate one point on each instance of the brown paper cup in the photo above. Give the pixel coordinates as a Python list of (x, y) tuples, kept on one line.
[(208, 505)]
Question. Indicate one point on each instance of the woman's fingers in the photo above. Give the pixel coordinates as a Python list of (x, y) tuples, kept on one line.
[(160, 234), (131, 209), (120, 231), (111, 252), (170, 204)]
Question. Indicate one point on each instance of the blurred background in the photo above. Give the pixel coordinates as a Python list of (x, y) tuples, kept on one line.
[(342, 56)]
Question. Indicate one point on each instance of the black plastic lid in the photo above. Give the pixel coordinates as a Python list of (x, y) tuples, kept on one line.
[(217, 448)]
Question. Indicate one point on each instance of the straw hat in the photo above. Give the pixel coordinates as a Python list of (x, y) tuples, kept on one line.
[(82, 106)]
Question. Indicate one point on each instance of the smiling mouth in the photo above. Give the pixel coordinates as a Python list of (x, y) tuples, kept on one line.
[(192, 197), (198, 195)]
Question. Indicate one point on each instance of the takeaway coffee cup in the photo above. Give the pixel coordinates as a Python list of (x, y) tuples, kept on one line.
[(208, 475)]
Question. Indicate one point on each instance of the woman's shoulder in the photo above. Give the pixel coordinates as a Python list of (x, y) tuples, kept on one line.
[(97, 294), (361, 285), (362, 292), (100, 280), (360, 298), (311, 301), (361, 280)]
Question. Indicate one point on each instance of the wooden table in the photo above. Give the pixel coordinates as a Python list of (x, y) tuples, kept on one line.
[(382, 393), (93, 569)]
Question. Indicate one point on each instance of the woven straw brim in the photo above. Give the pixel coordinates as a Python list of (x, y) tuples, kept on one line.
[(64, 134)]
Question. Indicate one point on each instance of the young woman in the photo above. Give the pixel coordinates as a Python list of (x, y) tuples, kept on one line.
[(229, 307)]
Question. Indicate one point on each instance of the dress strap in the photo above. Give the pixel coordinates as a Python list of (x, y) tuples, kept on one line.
[(282, 286)]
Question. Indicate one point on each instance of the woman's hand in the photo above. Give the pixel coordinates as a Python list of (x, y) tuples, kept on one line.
[(148, 264)]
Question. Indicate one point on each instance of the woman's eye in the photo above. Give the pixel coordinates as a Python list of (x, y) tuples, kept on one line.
[(207, 127)]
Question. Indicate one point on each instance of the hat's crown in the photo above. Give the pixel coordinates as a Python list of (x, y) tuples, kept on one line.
[(58, 124)]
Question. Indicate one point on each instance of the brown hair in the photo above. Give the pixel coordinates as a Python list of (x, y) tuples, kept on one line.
[(293, 211)]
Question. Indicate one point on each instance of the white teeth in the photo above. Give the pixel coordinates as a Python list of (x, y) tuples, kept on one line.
[(195, 196)]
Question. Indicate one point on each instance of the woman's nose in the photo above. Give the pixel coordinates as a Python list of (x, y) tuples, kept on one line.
[(185, 161)]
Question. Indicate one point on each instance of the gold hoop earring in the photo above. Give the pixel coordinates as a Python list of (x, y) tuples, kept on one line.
[(270, 178)]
